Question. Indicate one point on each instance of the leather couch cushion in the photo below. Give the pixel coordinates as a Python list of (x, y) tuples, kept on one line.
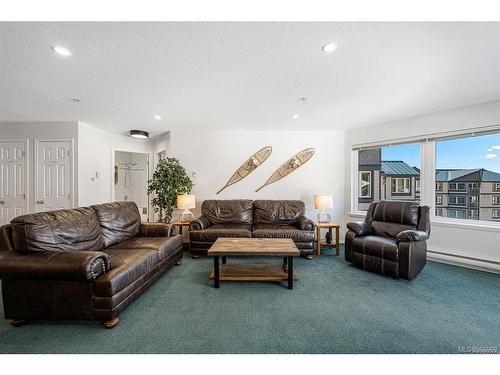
[(62, 230), (282, 231), (119, 221), (215, 231), (228, 211), (165, 246), (126, 267), (279, 212), (405, 213), (376, 246)]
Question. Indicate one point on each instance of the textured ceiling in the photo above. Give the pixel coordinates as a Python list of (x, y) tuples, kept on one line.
[(244, 75)]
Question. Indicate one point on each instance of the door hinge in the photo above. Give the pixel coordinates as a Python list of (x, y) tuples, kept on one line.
[(23, 153), (24, 196), (69, 152)]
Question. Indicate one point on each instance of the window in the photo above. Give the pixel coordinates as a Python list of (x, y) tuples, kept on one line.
[(439, 212), (469, 165), (379, 168), (472, 214), (457, 200), (401, 185), (496, 199), (456, 214), (496, 213), (473, 199), (439, 200), (365, 185), (456, 186)]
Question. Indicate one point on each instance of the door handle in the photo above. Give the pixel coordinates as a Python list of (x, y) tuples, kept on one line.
[(39, 202), (2, 202)]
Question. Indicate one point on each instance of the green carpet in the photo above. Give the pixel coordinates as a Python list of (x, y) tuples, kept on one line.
[(334, 308)]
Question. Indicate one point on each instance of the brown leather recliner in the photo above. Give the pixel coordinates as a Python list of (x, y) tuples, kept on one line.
[(392, 240), (83, 263), (247, 218)]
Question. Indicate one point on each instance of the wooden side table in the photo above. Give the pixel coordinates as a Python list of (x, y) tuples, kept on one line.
[(180, 225), (330, 227)]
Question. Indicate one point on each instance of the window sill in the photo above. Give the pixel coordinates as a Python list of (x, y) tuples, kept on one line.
[(459, 223)]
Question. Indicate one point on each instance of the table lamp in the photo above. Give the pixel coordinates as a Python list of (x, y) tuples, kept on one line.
[(186, 202), (321, 203)]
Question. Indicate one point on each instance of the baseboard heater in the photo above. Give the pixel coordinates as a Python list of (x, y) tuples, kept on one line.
[(464, 261)]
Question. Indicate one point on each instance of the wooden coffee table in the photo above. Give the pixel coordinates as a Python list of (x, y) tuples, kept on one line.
[(259, 247)]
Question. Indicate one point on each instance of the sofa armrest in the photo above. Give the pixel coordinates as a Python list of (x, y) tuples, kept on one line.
[(304, 223), (412, 236), (156, 230), (54, 265), (360, 228), (200, 223)]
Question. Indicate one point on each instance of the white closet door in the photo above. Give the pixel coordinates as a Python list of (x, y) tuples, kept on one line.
[(13, 166), (53, 175)]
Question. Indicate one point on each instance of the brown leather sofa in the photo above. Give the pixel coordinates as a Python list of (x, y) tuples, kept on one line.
[(247, 218), (392, 240), (83, 263)]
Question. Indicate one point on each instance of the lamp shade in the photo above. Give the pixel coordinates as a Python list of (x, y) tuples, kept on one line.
[(186, 201), (322, 202)]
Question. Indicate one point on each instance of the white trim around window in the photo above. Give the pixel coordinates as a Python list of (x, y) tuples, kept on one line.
[(365, 184), (401, 185)]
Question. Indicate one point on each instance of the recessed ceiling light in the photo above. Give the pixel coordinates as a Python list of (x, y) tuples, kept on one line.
[(157, 117), (295, 117), (329, 47), (63, 51), (139, 134)]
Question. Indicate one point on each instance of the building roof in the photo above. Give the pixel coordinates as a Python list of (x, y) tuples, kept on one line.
[(490, 176), (452, 174), (397, 167)]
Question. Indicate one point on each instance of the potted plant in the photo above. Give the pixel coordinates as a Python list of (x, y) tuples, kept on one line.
[(169, 180)]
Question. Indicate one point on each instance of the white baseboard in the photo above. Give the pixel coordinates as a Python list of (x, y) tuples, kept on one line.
[(462, 261)]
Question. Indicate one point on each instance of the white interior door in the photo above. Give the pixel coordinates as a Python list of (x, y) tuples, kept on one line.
[(13, 182), (53, 175)]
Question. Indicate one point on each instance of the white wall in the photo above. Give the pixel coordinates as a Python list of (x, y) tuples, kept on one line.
[(215, 155), (451, 243), (97, 159), (30, 131)]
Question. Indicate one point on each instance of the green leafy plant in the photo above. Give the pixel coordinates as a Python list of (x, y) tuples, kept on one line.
[(169, 180)]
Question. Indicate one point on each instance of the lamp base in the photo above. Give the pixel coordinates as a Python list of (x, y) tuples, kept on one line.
[(187, 215), (323, 217)]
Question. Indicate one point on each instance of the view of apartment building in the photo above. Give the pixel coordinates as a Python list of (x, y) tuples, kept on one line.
[(460, 193)]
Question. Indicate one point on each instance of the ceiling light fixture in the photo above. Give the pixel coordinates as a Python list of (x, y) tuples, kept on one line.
[(62, 51), (77, 100), (329, 47), (295, 117), (157, 117), (139, 134)]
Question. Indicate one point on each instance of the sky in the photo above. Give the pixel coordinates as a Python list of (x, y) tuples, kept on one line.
[(464, 153)]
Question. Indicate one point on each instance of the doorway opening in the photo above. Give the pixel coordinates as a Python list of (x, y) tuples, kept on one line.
[(131, 180)]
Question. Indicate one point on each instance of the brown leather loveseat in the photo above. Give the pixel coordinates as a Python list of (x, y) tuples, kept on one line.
[(392, 240), (247, 218), (83, 263)]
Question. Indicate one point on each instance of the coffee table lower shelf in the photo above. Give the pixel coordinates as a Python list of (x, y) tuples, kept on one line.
[(253, 272)]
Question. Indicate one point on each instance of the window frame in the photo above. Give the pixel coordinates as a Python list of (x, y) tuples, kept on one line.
[(396, 179), (497, 216), (370, 190), (428, 184), (497, 198)]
